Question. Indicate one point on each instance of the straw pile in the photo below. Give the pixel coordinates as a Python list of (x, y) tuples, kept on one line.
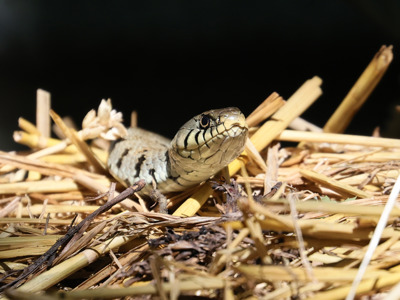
[(282, 222)]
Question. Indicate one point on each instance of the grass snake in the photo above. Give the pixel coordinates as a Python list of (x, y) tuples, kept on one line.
[(202, 146)]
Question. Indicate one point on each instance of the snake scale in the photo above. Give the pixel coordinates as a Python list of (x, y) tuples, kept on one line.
[(202, 146)]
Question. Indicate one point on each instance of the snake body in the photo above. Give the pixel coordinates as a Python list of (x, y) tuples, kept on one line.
[(202, 146)]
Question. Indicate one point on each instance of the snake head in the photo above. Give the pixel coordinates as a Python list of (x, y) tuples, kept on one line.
[(207, 143)]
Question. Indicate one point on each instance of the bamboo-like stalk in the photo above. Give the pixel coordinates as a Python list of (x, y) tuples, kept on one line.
[(287, 273), (186, 284), (295, 106), (27, 126), (364, 86), (140, 245), (378, 179), (48, 186), (16, 242), (54, 275), (342, 208), (43, 104), (365, 286), (323, 137), (68, 159), (75, 158), (333, 158), (34, 141), (11, 247)]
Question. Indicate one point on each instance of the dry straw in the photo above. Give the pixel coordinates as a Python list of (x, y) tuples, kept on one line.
[(295, 221)]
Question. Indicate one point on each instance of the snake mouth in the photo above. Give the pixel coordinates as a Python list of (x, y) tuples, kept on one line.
[(233, 122), (235, 126)]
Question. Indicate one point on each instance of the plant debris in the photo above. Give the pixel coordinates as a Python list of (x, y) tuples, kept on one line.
[(283, 221)]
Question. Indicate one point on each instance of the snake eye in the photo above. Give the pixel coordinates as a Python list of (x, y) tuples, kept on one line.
[(204, 121)]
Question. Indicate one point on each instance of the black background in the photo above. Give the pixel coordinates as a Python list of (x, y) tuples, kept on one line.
[(170, 60)]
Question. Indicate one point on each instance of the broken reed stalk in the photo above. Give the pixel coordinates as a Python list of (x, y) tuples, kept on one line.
[(294, 107), (333, 184), (79, 144), (367, 285), (27, 126), (191, 283), (287, 273), (35, 141), (47, 186), (336, 138), (43, 104), (303, 125), (343, 208), (361, 90), (51, 145), (266, 109)]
